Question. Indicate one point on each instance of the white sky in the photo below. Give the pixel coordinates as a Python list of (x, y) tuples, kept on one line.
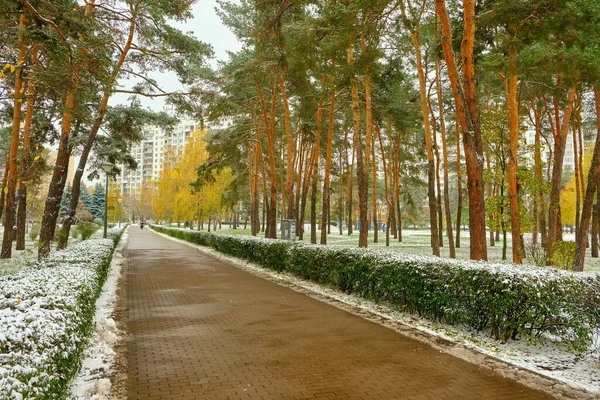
[(206, 26)]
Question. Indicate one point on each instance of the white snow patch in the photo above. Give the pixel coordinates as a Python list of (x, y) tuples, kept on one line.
[(546, 360), (92, 381)]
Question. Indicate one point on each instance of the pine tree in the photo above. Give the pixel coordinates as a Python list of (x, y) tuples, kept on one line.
[(64, 202), (97, 202)]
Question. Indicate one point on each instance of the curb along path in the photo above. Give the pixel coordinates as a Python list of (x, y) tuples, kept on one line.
[(202, 329)]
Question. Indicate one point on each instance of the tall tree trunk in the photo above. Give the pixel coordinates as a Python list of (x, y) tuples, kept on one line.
[(469, 120), (433, 222), (11, 182), (438, 183), (361, 169), (447, 210), (289, 180), (513, 123), (386, 187), (577, 182), (490, 194), (350, 198), (341, 194), (315, 172), (2, 194), (554, 224), (458, 187), (61, 167), (592, 187), (70, 214), (375, 216), (305, 187), (397, 185), (539, 197), (326, 190), (26, 151), (595, 225), (272, 198)]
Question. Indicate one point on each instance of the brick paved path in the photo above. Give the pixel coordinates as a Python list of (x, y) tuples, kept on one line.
[(202, 329)]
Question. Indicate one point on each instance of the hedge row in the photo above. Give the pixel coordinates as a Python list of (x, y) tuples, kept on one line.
[(509, 301), (46, 317)]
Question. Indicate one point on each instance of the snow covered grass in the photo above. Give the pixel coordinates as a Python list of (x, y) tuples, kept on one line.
[(546, 359), (46, 315)]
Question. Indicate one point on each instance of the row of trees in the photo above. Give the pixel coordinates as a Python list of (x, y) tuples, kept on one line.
[(337, 96), (62, 63)]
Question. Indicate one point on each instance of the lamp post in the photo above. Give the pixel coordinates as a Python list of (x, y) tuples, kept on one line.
[(106, 167), (120, 210)]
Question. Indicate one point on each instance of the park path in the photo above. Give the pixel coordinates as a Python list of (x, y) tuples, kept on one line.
[(203, 329)]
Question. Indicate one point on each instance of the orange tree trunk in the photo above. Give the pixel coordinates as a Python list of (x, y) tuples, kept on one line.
[(26, 151), (289, 179), (11, 181), (513, 123), (469, 121)]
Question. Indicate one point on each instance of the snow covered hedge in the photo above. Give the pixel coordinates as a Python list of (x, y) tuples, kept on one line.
[(509, 301), (46, 314)]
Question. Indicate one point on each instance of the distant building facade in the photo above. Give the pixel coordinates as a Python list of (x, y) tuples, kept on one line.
[(152, 153)]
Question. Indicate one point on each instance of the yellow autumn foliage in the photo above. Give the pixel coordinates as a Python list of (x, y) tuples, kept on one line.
[(176, 200)]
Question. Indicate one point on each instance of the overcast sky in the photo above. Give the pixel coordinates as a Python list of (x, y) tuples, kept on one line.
[(206, 26)]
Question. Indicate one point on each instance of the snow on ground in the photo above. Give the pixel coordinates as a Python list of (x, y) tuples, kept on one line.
[(569, 376), (92, 382)]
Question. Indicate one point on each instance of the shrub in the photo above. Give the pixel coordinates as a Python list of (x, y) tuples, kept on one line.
[(509, 301), (99, 221), (562, 254), (86, 229), (46, 316)]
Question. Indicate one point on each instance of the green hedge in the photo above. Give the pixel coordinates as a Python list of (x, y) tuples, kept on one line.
[(46, 318), (509, 301)]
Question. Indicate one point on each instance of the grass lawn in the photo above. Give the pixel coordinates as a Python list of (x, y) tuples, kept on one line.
[(417, 241)]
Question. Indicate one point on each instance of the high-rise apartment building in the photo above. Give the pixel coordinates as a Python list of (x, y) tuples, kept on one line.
[(152, 153)]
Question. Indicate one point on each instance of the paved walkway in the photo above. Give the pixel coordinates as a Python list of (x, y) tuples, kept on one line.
[(202, 329)]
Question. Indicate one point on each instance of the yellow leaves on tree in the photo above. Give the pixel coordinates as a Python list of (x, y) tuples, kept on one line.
[(175, 200), (568, 195)]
